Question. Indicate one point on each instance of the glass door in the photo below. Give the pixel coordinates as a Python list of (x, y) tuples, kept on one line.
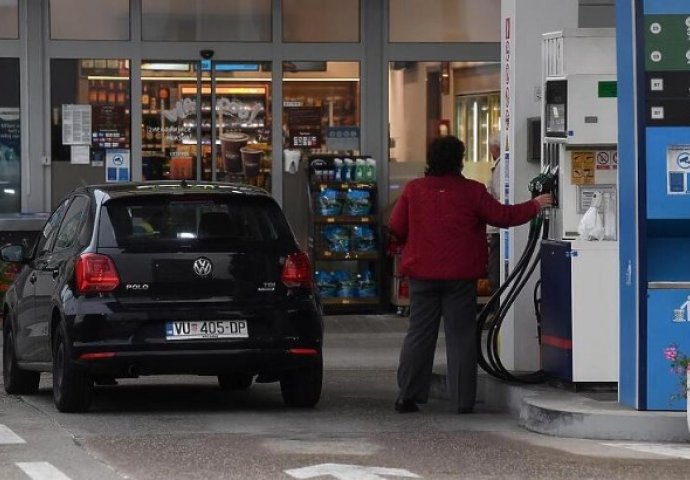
[(10, 137), (206, 120), (478, 118)]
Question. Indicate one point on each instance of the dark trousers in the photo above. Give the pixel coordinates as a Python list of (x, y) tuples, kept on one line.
[(456, 302)]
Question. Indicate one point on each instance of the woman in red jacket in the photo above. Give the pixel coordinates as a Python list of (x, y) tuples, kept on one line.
[(441, 220)]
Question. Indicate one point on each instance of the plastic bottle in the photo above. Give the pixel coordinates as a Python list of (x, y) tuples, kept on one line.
[(337, 169), (370, 170), (360, 170), (348, 170)]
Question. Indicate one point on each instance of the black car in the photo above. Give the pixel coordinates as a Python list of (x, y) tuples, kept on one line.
[(163, 278)]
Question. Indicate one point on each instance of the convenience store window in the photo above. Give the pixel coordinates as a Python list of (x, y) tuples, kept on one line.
[(321, 21), (90, 122), (427, 21), (9, 19), (178, 126), (107, 19), (206, 20), (10, 137)]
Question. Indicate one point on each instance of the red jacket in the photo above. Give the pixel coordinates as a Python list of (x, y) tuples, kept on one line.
[(442, 223)]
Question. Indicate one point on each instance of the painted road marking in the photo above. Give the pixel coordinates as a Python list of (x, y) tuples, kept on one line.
[(42, 471), (8, 437), (666, 449), (348, 472)]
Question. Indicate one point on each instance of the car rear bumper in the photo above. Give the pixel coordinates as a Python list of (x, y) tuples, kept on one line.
[(200, 362)]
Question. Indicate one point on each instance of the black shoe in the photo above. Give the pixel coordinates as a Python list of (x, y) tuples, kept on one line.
[(406, 406), (465, 409)]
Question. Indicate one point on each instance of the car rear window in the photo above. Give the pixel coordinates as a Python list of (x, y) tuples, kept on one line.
[(206, 220)]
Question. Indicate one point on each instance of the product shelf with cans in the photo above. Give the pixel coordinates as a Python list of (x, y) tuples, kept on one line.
[(344, 233)]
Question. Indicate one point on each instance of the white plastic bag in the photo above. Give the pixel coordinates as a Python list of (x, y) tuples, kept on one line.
[(592, 224)]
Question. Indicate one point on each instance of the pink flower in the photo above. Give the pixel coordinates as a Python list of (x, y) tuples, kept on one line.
[(671, 353)]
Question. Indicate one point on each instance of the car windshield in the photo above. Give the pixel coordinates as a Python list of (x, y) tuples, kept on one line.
[(199, 219)]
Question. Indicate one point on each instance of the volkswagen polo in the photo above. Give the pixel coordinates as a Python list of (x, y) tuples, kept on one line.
[(163, 278)]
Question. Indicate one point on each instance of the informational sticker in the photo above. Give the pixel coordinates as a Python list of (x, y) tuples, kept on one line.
[(680, 314), (342, 138), (678, 170), (117, 166), (582, 168), (76, 124), (603, 160), (80, 154)]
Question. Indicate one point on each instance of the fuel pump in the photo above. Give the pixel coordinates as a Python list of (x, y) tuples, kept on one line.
[(577, 311), (579, 256)]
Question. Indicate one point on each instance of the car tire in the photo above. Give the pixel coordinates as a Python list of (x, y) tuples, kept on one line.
[(16, 380), (235, 381), (302, 387), (72, 388)]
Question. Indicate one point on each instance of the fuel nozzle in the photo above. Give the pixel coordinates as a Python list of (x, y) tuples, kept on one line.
[(545, 182)]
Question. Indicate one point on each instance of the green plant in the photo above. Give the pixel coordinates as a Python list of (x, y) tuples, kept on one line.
[(679, 365)]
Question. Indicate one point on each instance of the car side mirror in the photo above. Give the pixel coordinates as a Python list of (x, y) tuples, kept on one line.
[(13, 253)]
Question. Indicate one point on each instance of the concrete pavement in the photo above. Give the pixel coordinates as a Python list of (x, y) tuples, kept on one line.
[(542, 408)]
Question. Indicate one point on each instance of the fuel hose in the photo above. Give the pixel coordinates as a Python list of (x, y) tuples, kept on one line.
[(491, 317)]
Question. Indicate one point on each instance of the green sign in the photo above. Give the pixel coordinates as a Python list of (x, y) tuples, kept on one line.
[(662, 29), (667, 42), (608, 89)]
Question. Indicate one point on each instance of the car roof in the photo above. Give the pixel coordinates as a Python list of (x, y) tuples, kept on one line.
[(132, 189)]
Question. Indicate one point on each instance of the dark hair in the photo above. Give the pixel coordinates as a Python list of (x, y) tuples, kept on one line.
[(445, 156)]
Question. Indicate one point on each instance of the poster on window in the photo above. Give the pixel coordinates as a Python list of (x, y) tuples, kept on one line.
[(76, 124), (304, 127), (10, 162), (110, 127)]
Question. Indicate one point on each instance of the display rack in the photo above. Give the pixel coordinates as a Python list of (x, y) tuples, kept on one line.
[(344, 237)]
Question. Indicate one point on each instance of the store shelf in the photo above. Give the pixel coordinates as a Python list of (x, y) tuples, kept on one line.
[(346, 219), (344, 248), (343, 186), (326, 255), (350, 301)]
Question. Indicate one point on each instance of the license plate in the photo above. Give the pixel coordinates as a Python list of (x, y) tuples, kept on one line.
[(206, 329)]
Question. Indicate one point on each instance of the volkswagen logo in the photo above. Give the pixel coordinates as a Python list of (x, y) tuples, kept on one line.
[(203, 267)]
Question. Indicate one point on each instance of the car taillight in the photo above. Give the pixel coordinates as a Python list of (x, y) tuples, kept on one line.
[(297, 271), (96, 273)]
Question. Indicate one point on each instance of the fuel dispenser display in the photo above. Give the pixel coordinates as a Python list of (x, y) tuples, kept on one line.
[(579, 282)]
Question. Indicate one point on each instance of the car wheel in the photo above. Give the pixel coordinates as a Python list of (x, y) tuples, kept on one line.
[(72, 388), (235, 381), (302, 387), (16, 381)]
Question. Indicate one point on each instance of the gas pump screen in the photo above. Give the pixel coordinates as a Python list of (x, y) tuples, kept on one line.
[(556, 110)]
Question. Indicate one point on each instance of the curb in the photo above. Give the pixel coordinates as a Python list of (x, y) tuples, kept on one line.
[(549, 411)]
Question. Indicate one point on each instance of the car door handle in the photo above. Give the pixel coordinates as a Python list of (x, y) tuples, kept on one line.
[(32, 278)]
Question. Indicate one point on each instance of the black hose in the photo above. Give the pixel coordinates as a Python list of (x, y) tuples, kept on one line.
[(518, 278), (493, 364)]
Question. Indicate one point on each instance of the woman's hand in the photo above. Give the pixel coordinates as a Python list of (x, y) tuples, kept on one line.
[(544, 200)]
